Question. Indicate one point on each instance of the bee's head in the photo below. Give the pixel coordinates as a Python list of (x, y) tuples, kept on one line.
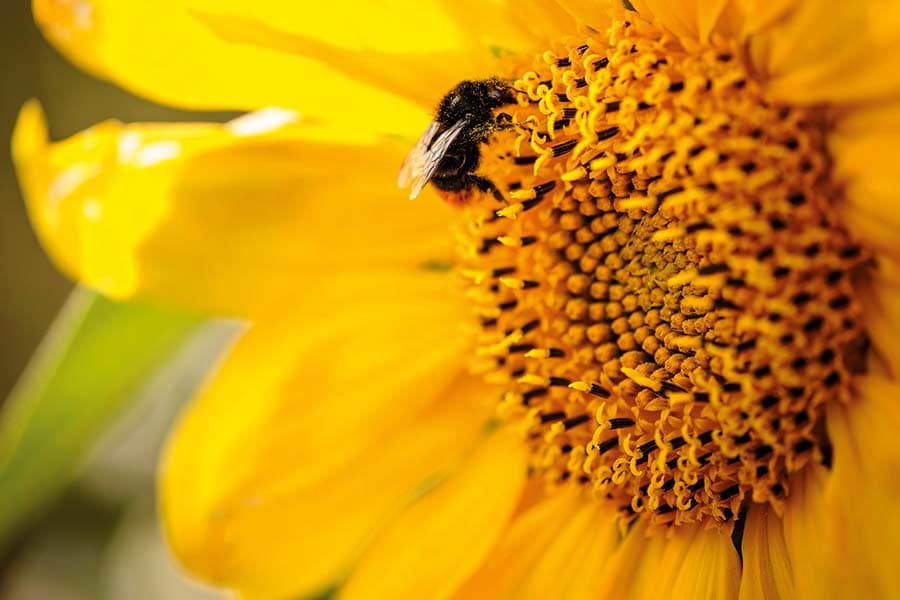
[(475, 100)]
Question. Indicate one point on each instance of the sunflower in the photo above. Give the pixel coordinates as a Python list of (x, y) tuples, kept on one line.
[(648, 347)]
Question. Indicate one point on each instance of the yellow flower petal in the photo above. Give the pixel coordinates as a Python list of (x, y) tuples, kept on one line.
[(685, 564), (510, 567), (864, 149), (440, 540), (690, 20), (767, 573), (840, 527), (836, 52), (557, 549), (508, 27), (318, 428), (404, 26), (696, 563), (548, 20), (160, 50), (880, 296), (864, 146), (422, 53), (806, 536), (223, 218), (588, 12), (709, 569), (756, 16), (633, 568), (861, 496), (411, 75)]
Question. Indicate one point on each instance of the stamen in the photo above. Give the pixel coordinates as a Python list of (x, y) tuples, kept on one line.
[(589, 388)]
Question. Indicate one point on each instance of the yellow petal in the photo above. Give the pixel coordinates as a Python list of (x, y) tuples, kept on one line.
[(880, 296), (556, 549), (686, 563), (806, 539), (767, 572), (404, 26), (695, 563), (864, 147), (861, 496), (411, 75), (634, 567), (318, 427), (758, 15), (420, 53), (223, 218), (836, 52), (548, 21), (160, 50), (690, 20), (509, 27), (588, 12), (710, 567), (840, 527), (440, 540)]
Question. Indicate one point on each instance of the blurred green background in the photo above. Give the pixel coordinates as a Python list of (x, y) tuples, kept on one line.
[(100, 539), (32, 290)]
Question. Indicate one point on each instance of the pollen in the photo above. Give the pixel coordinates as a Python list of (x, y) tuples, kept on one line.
[(665, 291)]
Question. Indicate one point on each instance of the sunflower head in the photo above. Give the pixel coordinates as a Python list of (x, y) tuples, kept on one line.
[(661, 280), (668, 257)]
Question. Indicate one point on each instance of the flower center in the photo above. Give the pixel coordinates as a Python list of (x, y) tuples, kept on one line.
[(664, 290)]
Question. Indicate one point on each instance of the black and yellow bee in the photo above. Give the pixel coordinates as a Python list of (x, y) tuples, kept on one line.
[(448, 153)]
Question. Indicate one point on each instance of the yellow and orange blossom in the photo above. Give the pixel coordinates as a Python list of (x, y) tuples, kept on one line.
[(663, 362)]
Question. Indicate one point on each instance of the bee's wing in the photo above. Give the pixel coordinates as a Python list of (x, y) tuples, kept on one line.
[(423, 160), (414, 161)]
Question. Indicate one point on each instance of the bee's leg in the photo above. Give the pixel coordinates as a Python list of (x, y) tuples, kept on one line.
[(485, 185)]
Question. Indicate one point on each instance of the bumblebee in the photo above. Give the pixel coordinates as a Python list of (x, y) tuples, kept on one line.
[(448, 153)]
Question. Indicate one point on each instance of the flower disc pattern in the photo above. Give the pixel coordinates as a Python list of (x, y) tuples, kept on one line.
[(667, 293)]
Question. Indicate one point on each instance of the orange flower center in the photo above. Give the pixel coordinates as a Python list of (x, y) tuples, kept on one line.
[(664, 291)]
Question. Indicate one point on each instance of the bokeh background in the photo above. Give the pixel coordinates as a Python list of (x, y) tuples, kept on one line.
[(101, 538)]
